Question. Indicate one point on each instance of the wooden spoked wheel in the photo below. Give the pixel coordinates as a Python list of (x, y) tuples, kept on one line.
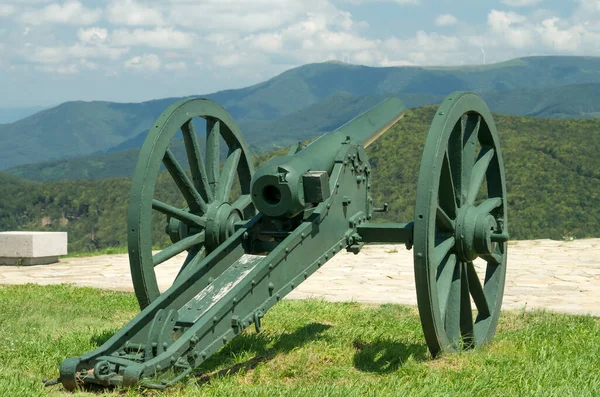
[(207, 218), (460, 215)]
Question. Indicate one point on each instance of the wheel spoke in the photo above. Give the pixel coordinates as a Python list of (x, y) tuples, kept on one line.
[(493, 259), (444, 277), (466, 313), (469, 143), (455, 154), (244, 205), (489, 205), (493, 276), (228, 175), (185, 185), (477, 291), (196, 161), (177, 248), (183, 216), (478, 174), (446, 194), (452, 319), (442, 249), (242, 202), (443, 220), (213, 135), (192, 260)]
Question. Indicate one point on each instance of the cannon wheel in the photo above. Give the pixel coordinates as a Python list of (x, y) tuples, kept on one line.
[(208, 218), (460, 215)]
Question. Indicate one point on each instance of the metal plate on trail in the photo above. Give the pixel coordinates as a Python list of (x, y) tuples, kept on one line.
[(218, 289)]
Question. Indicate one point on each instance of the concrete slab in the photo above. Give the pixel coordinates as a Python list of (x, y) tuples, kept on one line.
[(42, 260), (31, 248)]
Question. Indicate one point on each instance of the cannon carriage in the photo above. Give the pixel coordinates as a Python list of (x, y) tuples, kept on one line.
[(246, 250)]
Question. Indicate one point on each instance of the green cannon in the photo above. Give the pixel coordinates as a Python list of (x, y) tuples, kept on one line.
[(249, 238)]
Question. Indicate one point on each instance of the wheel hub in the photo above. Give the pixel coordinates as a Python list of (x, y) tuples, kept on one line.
[(220, 225), (473, 233)]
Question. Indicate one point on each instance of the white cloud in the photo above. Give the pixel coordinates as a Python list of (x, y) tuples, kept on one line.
[(7, 10), (243, 15), (93, 35), (22, 2), (157, 38), (72, 12), (229, 60), (242, 42), (512, 28), (520, 3), (501, 20), (176, 66), (446, 20), (422, 41), (60, 54), (567, 39), (267, 42), (132, 13), (587, 7), (146, 62), (60, 69), (310, 37), (383, 1), (87, 64), (337, 41)]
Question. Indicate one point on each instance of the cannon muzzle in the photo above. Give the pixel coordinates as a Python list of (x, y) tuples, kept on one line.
[(285, 185)]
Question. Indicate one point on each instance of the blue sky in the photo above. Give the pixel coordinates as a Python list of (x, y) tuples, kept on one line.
[(133, 50)]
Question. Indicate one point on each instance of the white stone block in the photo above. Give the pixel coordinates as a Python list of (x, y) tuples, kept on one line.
[(31, 245)]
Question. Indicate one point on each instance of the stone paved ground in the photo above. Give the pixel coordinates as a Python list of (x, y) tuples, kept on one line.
[(555, 275)]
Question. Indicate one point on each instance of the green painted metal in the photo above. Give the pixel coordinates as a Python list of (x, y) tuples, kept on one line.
[(387, 233), (209, 217), (313, 202), (277, 187), (460, 215)]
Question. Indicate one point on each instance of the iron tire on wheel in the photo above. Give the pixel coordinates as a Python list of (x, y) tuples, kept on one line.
[(208, 218), (455, 224)]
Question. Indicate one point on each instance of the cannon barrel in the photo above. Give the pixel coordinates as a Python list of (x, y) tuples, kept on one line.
[(283, 187)]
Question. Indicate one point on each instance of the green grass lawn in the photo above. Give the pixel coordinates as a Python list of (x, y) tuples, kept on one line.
[(310, 348)]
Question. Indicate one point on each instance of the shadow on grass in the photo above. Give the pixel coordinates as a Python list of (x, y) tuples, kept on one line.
[(101, 337), (385, 356), (259, 345)]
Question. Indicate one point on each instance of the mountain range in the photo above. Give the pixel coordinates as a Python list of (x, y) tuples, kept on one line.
[(296, 105)]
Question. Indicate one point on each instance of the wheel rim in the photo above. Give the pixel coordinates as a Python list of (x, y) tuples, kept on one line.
[(460, 215), (208, 217)]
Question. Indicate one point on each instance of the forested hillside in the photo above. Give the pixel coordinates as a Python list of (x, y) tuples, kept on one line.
[(552, 170)]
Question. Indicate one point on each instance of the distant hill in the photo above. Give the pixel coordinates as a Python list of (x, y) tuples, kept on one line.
[(552, 171), (569, 101), (561, 102), (75, 129), (264, 135)]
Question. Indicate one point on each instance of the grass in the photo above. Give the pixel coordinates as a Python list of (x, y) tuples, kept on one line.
[(119, 249), (308, 348)]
